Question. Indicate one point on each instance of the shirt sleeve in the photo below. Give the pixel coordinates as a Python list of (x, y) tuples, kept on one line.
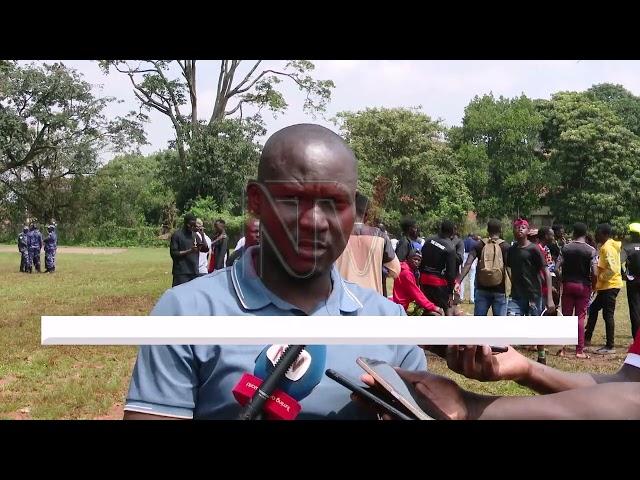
[(165, 377), (408, 281), (412, 357)]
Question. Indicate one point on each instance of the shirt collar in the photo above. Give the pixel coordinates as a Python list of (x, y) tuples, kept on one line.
[(253, 295)]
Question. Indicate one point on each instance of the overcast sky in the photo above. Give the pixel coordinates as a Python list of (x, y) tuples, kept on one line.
[(443, 88)]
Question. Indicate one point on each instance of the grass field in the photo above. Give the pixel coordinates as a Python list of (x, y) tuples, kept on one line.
[(89, 382)]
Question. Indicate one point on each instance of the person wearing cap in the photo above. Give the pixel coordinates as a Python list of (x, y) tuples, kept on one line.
[(406, 290), (631, 264), (50, 248)]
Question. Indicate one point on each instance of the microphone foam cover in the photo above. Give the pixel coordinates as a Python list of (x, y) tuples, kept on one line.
[(303, 376)]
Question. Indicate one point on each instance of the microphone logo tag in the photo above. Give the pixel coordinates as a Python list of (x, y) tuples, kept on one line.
[(299, 367)]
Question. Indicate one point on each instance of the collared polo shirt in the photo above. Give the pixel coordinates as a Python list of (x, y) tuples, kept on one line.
[(196, 381)]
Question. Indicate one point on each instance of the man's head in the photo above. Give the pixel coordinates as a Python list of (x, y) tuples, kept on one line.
[(414, 258), (51, 228), (251, 232), (494, 227), (520, 229), (447, 229), (304, 196), (558, 230), (362, 203), (472, 235), (382, 227), (545, 235), (199, 226), (409, 227), (219, 225), (579, 230), (25, 229), (603, 233), (634, 232), (190, 222)]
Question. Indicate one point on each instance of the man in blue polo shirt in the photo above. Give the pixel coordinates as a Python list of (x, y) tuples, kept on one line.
[(296, 191)]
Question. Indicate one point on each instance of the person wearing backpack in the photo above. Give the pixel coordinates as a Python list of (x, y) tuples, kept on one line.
[(490, 290)]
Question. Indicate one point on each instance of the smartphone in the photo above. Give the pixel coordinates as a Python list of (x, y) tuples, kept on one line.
[(387, 377), (368, 395), (499, 349)]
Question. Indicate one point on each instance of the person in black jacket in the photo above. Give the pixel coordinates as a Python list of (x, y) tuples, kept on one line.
[(439, 267), (408, 241)]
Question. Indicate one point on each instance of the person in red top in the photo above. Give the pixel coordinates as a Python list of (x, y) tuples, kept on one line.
[(405, 286), (564, 395)]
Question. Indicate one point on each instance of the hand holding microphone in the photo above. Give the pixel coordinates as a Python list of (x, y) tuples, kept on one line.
[(282, 377)]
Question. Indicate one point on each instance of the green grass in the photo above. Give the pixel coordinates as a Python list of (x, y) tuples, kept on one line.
[(82, 382)]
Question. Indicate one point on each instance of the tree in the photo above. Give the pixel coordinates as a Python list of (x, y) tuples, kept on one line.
[(595, 158), (167, 86), (52, 129), (401, 152), (498, 144), (624, 103)]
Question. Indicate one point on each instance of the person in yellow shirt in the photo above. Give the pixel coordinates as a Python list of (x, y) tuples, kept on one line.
[(608, 286)]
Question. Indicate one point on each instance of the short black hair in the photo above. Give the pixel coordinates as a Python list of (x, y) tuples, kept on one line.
[(188, 218), (557, 226), (542, 232), (604, 228), (494, 226), (362, 202), (579, 230), (406, 224), (447, 227), (220, 221)]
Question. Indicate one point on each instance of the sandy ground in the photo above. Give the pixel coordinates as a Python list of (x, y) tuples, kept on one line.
[(86, 250)]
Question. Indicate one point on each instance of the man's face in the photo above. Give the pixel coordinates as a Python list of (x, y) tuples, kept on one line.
[(415, 261), (559, 233), (307, 215), (218, 227), (413, 231), (521, 231), (548, 238), (252, 233), (191, 226)]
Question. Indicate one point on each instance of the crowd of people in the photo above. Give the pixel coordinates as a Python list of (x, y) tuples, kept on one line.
[(336, 264), (30, 245)]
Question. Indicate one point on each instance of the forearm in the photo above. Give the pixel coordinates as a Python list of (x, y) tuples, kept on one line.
[(614, 401)]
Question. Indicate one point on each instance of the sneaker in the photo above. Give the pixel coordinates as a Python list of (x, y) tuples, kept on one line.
[(605, 351)]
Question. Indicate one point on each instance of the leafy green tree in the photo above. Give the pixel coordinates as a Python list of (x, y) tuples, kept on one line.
[(498, 144), (595, 159), (402, 154), (53, 129)]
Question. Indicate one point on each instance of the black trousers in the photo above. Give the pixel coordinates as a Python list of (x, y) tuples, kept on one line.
[(633, 297), (181, 278), (606, 301)]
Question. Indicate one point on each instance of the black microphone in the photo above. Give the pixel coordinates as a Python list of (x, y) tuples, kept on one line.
[(254, 409)]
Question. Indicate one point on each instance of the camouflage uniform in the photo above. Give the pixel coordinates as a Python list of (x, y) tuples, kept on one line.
[(35, 245), (50, 247), (23, 248)]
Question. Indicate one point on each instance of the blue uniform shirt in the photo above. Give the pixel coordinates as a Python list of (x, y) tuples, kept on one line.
[(196, 381)]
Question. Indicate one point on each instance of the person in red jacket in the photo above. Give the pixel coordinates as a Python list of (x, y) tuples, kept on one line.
[(406, 289)]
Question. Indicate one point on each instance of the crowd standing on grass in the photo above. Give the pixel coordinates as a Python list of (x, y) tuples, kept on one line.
[(30, 245), (338, 266)]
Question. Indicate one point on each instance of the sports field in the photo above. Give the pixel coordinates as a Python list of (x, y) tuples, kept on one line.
[(89, 382)]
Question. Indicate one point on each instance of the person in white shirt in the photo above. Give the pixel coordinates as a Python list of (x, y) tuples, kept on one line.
[(203, 262)]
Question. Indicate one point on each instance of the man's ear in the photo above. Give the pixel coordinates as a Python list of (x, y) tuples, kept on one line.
[(254, 198)]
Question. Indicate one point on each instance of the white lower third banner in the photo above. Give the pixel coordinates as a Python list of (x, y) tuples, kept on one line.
[(311, 330)]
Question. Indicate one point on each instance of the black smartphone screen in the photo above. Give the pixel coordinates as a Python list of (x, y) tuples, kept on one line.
[(369, 396)]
